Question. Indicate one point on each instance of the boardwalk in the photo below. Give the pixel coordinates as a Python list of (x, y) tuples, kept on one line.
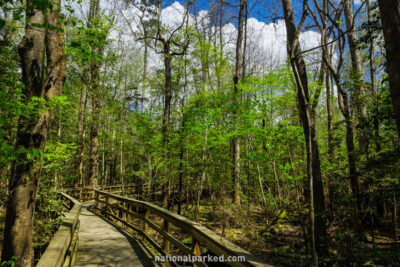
[(90, 239), (101, 244)]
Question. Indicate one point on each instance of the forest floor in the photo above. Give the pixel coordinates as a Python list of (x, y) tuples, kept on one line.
[(279, 239)]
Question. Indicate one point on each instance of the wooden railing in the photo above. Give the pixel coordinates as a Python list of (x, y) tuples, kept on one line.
[(127, 211), (87, 193), (62, 248)]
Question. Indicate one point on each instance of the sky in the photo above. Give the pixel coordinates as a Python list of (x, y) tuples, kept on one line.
[(258, 9), (266, 47), (266, 38)]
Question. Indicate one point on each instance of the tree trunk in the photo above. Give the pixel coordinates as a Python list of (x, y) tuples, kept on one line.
[(371, 57), (94, 90), (145, 56), (316, 194), (94, 137), (351, 156), (331, 146), (180, 182), (358, 93), (344, 106), (166, 117), (246, 14), (121, 167), (32, 133), (236, 101), (328, 84), (80, 133), (202, 178), (390, 16)]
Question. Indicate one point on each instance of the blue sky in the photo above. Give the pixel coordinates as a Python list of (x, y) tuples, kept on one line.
[(258, 8), (263, 10)]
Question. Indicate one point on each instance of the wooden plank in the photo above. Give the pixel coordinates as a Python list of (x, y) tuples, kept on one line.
[(139, 231), (57, 249), (73, 260)]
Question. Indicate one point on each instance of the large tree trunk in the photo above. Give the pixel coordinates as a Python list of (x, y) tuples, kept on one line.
[(32, 133), (95, 94), (202, 178), (80, 133), (326, 53), (145, 58), (316, 194), (344, 106), (167, 117), (358, 93), (351, 154), (331, 146), (390, 16), (94, 139), (371, 56), (182, 148), (237, 79), (180, 181), (218, 63), (246, 14)]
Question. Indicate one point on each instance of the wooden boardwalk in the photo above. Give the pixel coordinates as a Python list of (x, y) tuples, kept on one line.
[(102, 244), (91, 239)]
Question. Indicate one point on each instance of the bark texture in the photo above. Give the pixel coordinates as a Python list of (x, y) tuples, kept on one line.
[(167, 115), (36, 45), (95, 93), (390, 16)]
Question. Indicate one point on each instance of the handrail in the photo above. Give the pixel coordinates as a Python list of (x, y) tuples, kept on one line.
[(62, 248), (86, 193), (101, 187), (201, 235)]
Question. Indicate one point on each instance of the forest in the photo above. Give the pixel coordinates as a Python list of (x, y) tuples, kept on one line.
[(276, 124)]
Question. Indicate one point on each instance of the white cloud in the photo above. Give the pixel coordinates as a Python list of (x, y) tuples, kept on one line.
[(266, 42)]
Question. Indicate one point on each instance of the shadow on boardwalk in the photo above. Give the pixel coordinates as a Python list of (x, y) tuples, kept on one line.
[(102, 243)]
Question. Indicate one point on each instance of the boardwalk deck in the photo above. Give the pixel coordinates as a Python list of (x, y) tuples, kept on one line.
[(102, 244)]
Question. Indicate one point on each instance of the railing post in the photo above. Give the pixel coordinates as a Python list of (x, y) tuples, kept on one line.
[(96, 199), (166, 241), (145, 225), (106, 207), (124, 214)]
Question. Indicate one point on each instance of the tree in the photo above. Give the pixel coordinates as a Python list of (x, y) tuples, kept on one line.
[(358, 90), (94, 68), (170, 46), (344, 98), (236, 102), (43, 82), (390, 16), (316, 194)]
